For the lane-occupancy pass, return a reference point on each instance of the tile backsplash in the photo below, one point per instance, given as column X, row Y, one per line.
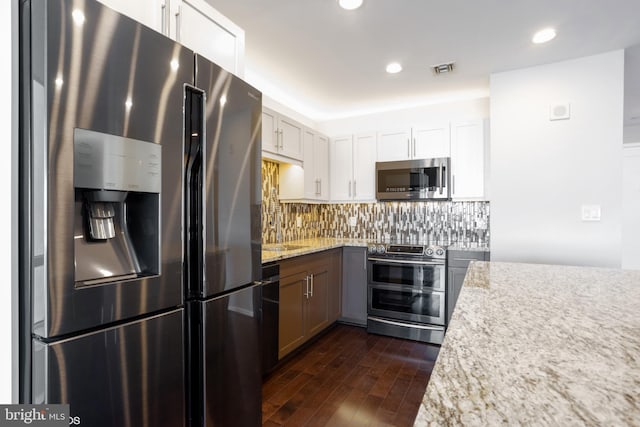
column 408, row 222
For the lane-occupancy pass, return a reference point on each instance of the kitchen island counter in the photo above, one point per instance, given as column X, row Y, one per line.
column 539, row 345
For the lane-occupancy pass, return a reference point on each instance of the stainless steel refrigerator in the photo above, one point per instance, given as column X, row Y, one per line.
column 222, row 219
column 111, row 248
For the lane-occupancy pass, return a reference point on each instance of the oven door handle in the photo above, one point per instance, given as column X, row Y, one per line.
column 402, row 261
column 411, row 325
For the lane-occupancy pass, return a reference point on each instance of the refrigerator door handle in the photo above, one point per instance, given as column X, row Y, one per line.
column 194, row 192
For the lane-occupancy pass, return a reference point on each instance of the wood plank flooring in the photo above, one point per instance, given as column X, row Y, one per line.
column 349, row 378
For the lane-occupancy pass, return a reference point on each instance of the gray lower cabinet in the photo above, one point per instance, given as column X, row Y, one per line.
column 309, row 299
column 457, row 264
column 354, row 285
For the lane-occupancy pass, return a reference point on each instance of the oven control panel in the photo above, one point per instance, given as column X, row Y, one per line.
column 376, row 249
column 398, row 250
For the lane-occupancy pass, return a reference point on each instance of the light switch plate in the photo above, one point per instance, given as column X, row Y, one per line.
column 591, row 212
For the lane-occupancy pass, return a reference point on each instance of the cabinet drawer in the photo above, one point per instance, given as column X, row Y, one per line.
column 463, row 258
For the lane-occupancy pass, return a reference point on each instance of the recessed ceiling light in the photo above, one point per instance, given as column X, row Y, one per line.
column 350, row 4
column 544, row 36
column 393, row 67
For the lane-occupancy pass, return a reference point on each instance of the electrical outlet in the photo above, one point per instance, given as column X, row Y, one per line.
column 353, row 221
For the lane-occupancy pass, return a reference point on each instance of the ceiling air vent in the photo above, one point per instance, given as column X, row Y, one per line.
column 442, row 68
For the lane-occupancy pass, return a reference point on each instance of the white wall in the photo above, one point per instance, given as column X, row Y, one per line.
column 7, row 238
column 405, row 118
column 631, row 207
column 543, row 171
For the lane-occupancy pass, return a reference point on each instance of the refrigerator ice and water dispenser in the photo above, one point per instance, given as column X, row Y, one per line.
column 117, row 184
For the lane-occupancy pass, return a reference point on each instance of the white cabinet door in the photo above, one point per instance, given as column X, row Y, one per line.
column 321, row 155
column 394, row 145
column 430, row 141
column 198, row 26
column 282, row 136
column 309, row 182
column 341, row 164
column 193, row 23
column 152, row 13
column 467, row 159
column 311, row 188
column 270, row 137
column 291, row 144
column 420, row 142
column 364, row 167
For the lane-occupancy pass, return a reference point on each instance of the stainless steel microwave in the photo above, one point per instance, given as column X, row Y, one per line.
column 424, row 179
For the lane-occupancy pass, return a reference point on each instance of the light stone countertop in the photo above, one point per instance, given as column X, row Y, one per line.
column 474, row 247
column 309, row 246
column 539, row 345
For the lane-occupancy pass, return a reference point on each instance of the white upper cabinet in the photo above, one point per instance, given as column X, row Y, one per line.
column 468, row 160
column 419, row 142
column 198, row 26
column 281, row 137
column 431, row 141
column 152, row 13
column 316, row 166
column 193, row 23
column 364, row 167
column 270, row 136
column 352, row 165
column 341, row 165
column 309, row 183
column 394, row 145
column 291, row 144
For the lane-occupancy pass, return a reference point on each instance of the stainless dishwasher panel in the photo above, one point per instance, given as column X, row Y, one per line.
column 270, row 316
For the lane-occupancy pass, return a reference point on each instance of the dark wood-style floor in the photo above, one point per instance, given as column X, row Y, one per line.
column 349, row 378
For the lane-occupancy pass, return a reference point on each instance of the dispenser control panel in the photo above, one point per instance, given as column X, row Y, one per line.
column 109, row 162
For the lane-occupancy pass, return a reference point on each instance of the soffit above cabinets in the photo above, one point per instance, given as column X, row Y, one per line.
column 328, row 63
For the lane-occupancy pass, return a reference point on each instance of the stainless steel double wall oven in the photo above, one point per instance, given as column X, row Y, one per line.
column 406, row 291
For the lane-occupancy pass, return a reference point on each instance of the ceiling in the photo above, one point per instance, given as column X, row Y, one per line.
column 327, row 63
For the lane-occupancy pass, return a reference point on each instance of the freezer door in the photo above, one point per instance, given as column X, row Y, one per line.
column 130, row 375
column 95, row 70
column 225, row 371
column 232, row 181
